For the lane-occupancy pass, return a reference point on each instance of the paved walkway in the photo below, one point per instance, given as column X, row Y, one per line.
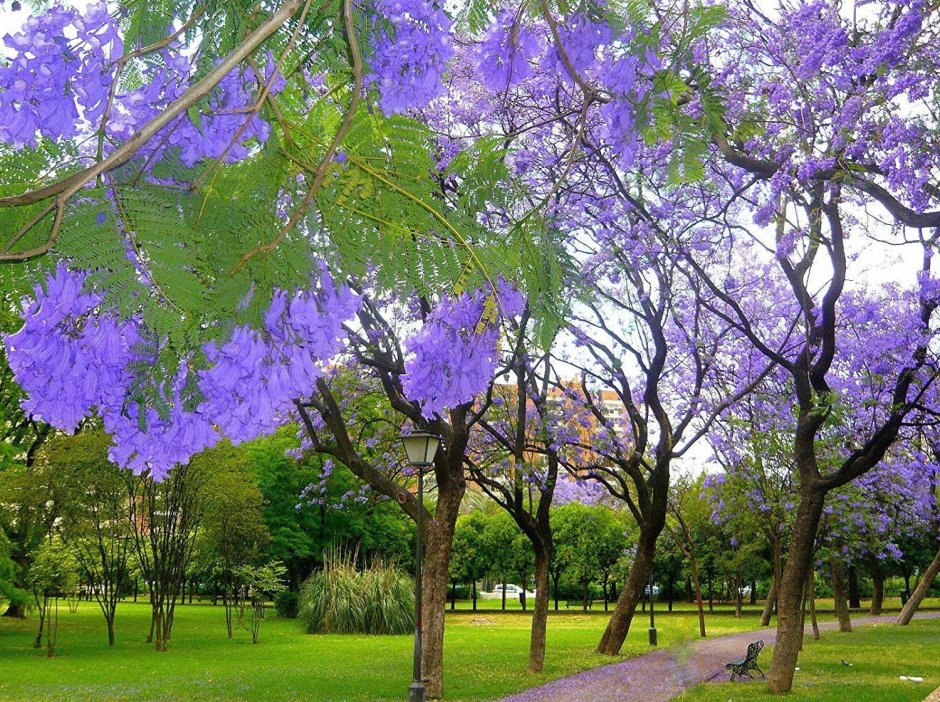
column 663, row 674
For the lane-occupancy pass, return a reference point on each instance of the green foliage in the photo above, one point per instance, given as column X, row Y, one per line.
column 54, row 570
column 299, row 537
column 287, row 604
column 342, row 599
column 8, row 576
column 470, row 557
column 233, row 532
column 590, row 542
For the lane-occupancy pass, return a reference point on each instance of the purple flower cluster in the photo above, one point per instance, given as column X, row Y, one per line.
column 157, row 441
column 582, row 40
column 58, row 87
column 66, row 358
column 72, row 357
column 52, row 81
column 505, row 56
column 412, row 48
column 256, row 375
column 454, row 355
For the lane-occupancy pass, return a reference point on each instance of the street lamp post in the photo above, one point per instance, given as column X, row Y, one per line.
column 420, row 447
column 652, row 617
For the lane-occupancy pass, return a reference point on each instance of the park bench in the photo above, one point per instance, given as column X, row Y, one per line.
column 579, row 604
column 744, row 666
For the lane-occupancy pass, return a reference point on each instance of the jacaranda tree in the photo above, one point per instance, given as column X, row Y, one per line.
column 205, row 204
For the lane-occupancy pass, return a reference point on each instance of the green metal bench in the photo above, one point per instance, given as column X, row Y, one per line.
column 744, row 666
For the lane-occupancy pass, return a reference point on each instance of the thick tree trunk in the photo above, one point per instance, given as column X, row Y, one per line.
column 737, row 594
column 17, row 611
column 920, row 592
column 877, row 586
column 540, row 613
column 790, row 591
column 619, row 625
column 839, row 595
column 439, row 538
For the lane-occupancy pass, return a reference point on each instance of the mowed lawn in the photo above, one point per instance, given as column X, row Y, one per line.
column 879, row 655
column 486, row 654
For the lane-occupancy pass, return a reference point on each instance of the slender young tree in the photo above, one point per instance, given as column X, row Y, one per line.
column 98, row 528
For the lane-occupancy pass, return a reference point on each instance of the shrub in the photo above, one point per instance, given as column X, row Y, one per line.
column 342, row 599
column 286, row 604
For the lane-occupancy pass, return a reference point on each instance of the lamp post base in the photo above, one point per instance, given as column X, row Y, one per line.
column 416, row 692
column 652, row 631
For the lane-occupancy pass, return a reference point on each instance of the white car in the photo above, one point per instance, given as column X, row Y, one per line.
column 512, row 593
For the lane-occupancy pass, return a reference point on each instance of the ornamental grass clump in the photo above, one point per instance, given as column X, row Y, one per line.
column 343, row 599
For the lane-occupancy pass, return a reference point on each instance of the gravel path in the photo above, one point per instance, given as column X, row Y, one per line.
column 663, row 674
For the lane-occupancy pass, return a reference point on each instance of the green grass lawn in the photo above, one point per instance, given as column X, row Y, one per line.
column 879, row 654
column 486, row 654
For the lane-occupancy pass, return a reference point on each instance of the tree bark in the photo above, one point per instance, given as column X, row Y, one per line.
column 16, row 611
column 790, row 591
column 920, row 592
column 803, row 606
column 855, row 598
column 439, row 537
column 877, row 585
column 811, row 579
column 619, row 625
column 697, row 585
column 839, row 595
column 540, row 612
column 769, row 604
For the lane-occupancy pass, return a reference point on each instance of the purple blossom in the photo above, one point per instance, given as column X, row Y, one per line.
column 412, row 49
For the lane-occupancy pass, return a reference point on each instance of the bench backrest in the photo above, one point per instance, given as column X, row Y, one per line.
column 754, row 649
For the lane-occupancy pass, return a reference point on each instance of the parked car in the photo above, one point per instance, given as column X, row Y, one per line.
column 512, row 592
column 745, row 591
column 646, row 591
